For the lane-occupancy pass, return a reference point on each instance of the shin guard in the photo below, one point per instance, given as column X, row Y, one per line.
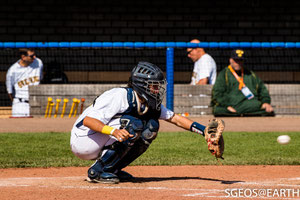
column 115, row 152
column 141, row 145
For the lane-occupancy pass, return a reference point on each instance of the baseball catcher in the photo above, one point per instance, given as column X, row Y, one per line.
column 122, row 123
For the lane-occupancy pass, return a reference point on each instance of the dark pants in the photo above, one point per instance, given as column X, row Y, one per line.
column 250, row 107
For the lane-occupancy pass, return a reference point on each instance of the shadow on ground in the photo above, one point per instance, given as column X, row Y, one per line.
column 158, row 179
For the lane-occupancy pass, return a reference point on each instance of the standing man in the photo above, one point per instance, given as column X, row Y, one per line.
column 122, row 122
column 238, row 91
column 26, row 71
column 205, row 69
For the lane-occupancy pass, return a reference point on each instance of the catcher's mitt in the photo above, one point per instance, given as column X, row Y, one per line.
column 213, row 136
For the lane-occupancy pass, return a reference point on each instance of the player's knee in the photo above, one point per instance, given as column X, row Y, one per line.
column 150, row 131
column 85, row 154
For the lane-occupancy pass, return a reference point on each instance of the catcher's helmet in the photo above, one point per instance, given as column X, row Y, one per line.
column 149, row 82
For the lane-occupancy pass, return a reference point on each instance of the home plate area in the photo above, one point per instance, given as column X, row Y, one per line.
column 156, row 182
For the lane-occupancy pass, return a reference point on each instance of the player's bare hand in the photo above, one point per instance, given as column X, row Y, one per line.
column 121, row 134
column 267, row 107
column 231, row 109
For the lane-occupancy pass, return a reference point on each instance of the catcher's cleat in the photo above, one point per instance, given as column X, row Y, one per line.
column 124, row 176
column 105, row 177
column 109, row 178
column 91, row 180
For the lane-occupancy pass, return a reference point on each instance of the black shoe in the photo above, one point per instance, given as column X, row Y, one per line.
column 124, row 176
column 105, row 177
column 109, row 178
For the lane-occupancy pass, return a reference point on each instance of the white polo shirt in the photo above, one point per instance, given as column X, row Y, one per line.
column 205, row 67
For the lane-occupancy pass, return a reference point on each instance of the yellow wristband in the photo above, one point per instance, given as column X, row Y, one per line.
column 107, row 130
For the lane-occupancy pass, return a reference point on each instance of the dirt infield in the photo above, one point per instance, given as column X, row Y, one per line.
column 155, row 182
column 249, row 124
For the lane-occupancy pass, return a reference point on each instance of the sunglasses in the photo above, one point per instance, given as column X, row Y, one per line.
column 31, row 56
column 187, row 53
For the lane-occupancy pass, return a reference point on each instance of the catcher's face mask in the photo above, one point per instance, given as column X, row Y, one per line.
column 157, row 90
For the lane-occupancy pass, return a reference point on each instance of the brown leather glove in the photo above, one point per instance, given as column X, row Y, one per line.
column 213, row 136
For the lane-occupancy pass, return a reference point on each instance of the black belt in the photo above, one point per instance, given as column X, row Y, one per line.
column 23, row 100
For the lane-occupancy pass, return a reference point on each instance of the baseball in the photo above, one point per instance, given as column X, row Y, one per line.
column 283, row 139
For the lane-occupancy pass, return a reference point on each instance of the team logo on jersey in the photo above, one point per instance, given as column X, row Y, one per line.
column 28, row 81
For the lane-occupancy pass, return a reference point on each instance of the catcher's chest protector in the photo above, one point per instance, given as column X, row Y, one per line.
column 132, row 109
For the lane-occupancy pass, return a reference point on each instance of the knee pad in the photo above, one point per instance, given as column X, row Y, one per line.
column 142, row 144
column 150, row 131
column 113, row 155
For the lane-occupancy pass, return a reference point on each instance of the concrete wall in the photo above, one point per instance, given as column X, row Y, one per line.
column 194, row 100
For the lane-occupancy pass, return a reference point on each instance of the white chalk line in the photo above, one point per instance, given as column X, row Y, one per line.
column 259, row 184
column 7, row 182
column 273, row 183
column 13, row 182
column 208, row 193
column 41, row 178
column 226, row 197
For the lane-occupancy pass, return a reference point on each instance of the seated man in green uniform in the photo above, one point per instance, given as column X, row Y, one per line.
column 239, row 92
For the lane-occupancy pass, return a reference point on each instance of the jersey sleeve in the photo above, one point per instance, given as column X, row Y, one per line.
column 109, row 104
column 41, row 66
column 9, row 81
column 165, row 113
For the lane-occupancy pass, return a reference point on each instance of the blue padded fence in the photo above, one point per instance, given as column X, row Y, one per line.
column 170, row 78
column 150, row 44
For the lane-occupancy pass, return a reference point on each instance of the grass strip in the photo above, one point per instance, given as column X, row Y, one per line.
column 18, row 150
